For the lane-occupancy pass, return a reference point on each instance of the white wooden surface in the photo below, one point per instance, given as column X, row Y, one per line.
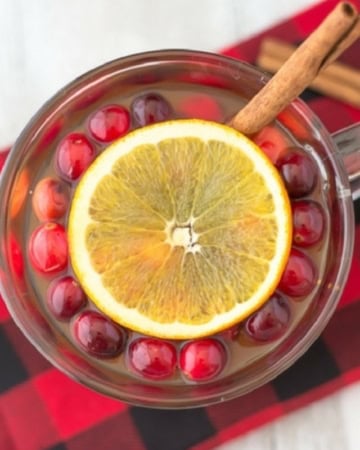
column 46, row 43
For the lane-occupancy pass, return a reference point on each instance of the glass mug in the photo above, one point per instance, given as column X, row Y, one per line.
column 179, row 76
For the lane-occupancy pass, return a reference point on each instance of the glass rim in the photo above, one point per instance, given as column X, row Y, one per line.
column 97, row 75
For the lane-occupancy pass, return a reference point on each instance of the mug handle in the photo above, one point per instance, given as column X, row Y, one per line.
column 347, row 141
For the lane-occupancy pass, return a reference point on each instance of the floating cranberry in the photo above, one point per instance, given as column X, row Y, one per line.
column 150, row 108
column 272, row 142
column 74, row 155
column 65, row 297
column 200, row 106
column 48, row 249
column 300, row 275
column 152, row 358
column 109, row 123
column 50, row 199
column 271, row 321
column 202, row 360
column 294, row 123
column 97, row 335
column 231, row 333
column 308, row 223
column 298, row 171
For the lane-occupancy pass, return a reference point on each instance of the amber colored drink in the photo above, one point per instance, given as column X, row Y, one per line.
column 113, row 358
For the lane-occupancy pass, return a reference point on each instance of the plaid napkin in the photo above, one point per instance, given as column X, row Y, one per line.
column 42, row 409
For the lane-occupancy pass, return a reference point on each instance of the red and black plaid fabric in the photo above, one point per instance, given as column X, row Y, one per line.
column 42, row 409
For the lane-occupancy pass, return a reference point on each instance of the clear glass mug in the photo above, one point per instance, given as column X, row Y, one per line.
column 135, row 74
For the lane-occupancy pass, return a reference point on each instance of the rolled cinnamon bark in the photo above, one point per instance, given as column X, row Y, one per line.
column 338, row 30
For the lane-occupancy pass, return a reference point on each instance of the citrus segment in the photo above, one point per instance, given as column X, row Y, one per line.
column 180, row 229
column 182, row 160
column 148, row 168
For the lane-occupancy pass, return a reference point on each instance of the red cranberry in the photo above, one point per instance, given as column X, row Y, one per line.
column 3, row 155
column 300, row 275
column 308, row 223
column 65, row 297
column 48, row 248
column 152, row 358
column 231, row 333
column 97, row 335
column 150, row 108
column 298, row 171
column 203, row 359
column 50, row 199
column 271, row 141
column 271, row 321
column 74, row 155
column 200, row 106
column 293, row 123
column 109, row 123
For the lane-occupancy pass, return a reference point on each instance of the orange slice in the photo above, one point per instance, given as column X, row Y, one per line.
column 180, row 229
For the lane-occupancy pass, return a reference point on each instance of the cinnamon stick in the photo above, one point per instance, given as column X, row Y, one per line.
column 338, row 30
column 336, row 80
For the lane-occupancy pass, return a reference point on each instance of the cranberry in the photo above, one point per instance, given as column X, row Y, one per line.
column 298, row 171
column 150, row 108
column 74, row 155
column 97, row 335
column 300, row 275
column 48, row 248
column 50, row 199
column 65, row 297
column 203, row 359
column 200, row 106
column 271, row 141
column 152, row 358
column 3, row 155
column 308, row 223
column 230, row 333
column 109, row 123
column 293, row 123
column 271, row 321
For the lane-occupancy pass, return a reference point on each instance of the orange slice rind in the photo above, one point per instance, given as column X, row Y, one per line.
column 180, row 229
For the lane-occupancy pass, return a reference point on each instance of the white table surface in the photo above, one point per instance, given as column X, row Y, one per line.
column 46, row 43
